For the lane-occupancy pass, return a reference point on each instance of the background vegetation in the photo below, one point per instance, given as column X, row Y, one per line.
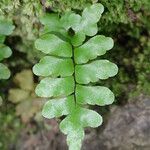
column 126, row 21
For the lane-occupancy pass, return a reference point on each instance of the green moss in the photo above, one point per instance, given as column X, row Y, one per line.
column 9, row 127
column 127, row 21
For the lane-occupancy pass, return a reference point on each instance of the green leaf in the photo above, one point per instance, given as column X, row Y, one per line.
column 58, row 107
column 92, row 72
column 94, row 95
column 74, row 123
column 96, row 46
column 5, row 52
column 70, row 19
column 51, row 22
column 91, row 29
column 2, row 38
column 75, row 138
column 53, row 25
column 90, row 17
column 69, row 70
column 49, row 87
column 85, row 28
column 50, row 19
column 4, row 72
column 79, row 118
column 77, row 39
column 51, row 44
column 53, row 66
column 6, row 27
column 93, row 13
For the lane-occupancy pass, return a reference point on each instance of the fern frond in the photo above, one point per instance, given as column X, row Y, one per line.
column 70, row 67
column 6, row 29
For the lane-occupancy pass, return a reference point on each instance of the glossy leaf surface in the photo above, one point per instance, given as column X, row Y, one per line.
column 5, row 52
column 92, row 72
column 94, row 95
column 94, row 47
column 88, row 22
column 6, row 28
column 51, row 44
column 49, row 87
column 70, row 67
column 58, row 107
column 4, row 72
column 53, row 66
column 74, row 124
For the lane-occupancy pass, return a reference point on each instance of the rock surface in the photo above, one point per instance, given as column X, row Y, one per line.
column 127, row 128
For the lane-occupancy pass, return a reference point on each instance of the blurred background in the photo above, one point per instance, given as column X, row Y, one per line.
column 126, row 123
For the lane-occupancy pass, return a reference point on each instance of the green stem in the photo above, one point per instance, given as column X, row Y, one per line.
column 74, row 75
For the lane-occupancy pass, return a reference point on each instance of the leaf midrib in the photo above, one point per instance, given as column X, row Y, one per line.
column 74, row 64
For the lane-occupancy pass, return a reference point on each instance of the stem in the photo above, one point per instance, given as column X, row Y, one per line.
column 74, row 64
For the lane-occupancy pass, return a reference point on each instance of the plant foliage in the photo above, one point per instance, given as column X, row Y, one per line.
column 6, row 28
column 71, row 68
